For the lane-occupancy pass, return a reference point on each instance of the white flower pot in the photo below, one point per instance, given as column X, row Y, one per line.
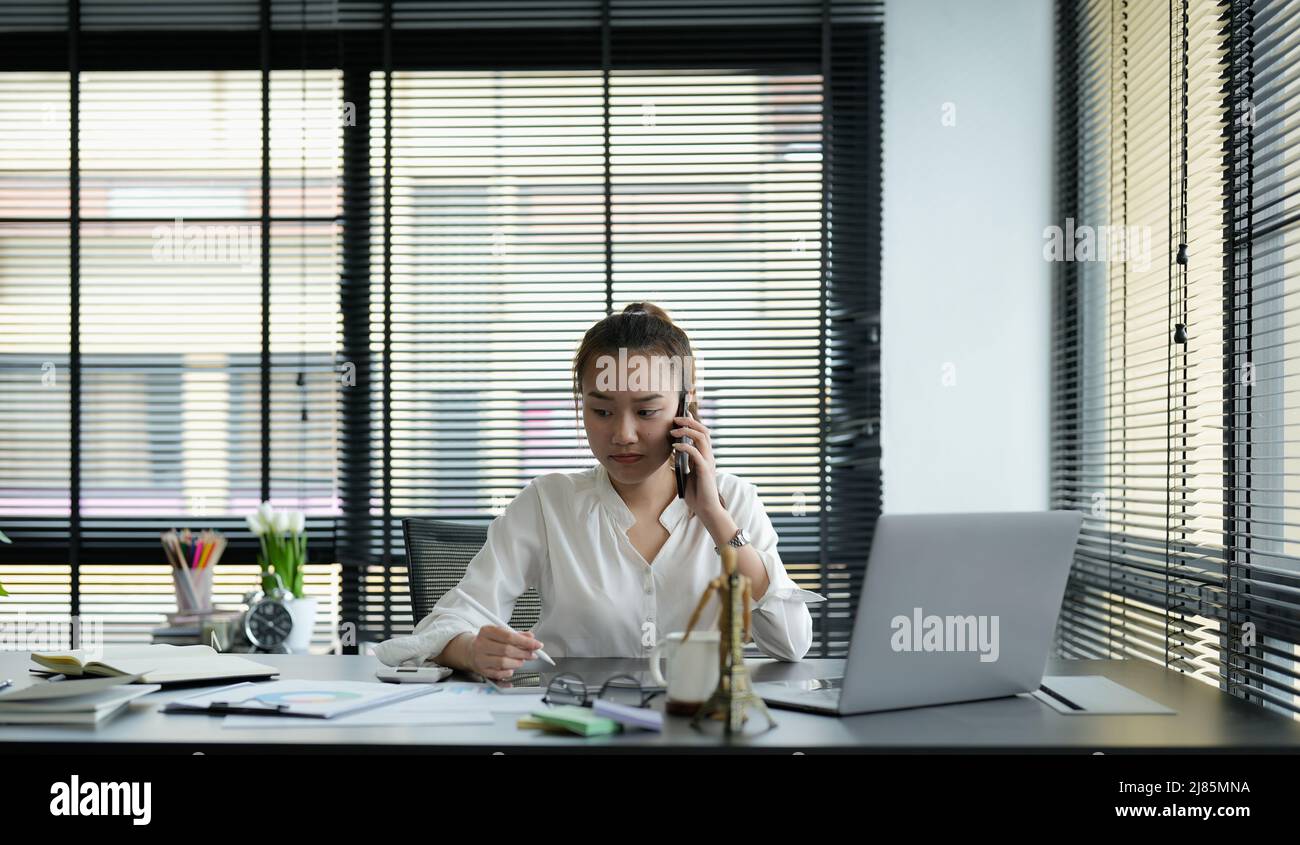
column 303, row 612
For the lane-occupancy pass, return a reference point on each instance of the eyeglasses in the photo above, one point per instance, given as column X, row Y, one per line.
column 570, row 688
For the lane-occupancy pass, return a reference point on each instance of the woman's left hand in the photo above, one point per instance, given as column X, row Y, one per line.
column 701, row 483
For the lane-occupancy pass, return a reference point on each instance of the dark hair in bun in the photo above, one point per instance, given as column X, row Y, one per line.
column 641, row 327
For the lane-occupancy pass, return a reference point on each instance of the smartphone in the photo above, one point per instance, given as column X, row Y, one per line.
column 519, row 682
column 682, row 461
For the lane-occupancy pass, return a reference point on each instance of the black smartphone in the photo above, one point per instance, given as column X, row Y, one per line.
column 518, row 683
column 682, row 461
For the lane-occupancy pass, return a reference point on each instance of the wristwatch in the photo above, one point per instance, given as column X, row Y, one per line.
column 739, row 539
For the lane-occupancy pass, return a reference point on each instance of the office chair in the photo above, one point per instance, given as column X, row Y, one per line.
column 437, row 553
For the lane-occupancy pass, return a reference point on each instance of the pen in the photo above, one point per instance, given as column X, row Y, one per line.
column 492, row 617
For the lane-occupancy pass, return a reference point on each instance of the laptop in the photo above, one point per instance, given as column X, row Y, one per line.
column 955, row 607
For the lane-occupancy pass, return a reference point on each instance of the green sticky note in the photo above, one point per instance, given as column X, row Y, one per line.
column 580, row 720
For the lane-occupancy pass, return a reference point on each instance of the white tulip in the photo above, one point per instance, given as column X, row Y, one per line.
column 282, row 522
column 299, row 523
column 255, row 524
column 266, row 513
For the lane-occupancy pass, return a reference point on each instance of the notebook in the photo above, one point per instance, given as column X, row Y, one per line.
column 624, row 714
column 578, row 720
column 157, row 664
column 90, row 708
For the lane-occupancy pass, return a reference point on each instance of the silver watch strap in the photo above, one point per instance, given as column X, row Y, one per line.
column 732, row 542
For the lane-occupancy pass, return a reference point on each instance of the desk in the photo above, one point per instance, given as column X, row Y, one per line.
column 1207, row 720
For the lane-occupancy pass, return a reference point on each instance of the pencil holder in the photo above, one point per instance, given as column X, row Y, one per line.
column 193, row 589
column 193, row 559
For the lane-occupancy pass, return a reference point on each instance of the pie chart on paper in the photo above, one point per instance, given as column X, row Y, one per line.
column 301, row 697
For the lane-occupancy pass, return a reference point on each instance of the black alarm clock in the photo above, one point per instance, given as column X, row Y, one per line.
column 267, row 623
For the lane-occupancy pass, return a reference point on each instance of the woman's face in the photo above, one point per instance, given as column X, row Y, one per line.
column 628, row 429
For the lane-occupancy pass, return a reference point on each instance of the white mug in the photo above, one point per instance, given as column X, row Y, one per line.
column 692, row 670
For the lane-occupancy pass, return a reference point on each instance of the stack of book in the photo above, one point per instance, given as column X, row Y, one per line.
column 42, row 701
column 187, row 628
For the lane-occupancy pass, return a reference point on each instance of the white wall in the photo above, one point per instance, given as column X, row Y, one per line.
column 964, row 280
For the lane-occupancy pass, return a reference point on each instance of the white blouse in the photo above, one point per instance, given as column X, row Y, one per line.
column 566, row 535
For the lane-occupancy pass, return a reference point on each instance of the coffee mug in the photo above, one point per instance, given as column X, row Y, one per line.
column 692, row 670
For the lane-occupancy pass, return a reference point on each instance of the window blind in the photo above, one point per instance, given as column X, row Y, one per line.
column 168, row 309
column 510, row 210
column 1262, row 525
column 1157, row 425
column 35, row 342
column 414, row 210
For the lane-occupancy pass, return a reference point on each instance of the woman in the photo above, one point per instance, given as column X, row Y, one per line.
column 618, row 559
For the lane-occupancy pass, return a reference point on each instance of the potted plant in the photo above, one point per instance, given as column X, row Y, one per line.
column 283, row 539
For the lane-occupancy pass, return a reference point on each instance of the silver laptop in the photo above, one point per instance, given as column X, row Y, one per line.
column 955, row 607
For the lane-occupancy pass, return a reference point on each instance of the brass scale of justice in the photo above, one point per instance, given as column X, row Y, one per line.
column 734, row 694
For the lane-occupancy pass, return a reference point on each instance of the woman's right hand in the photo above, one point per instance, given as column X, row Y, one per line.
column 496, row 652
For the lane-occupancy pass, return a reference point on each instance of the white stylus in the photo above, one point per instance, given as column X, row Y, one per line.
column 492, row 617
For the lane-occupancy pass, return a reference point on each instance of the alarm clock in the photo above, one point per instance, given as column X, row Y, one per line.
column 267, row 623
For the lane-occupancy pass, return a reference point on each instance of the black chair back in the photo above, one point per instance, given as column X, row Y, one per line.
column 437, row 554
